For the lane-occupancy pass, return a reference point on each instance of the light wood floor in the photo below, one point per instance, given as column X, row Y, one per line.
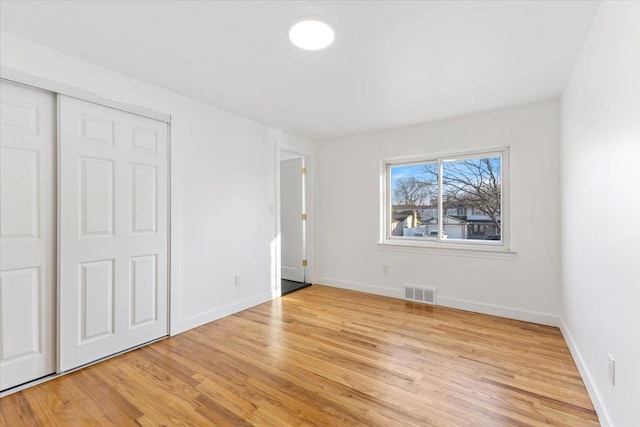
column 326, row 357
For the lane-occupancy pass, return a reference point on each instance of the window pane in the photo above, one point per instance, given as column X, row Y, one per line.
column 414, row 200
column 471, row 198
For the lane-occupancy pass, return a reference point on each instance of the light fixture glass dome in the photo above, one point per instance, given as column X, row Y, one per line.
column 311, row 35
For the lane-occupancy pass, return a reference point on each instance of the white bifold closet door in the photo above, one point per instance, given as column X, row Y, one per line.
column 113, row 231
column 27, row 234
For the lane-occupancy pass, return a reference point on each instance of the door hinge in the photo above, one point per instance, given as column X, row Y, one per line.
column 304, row 171
column 304, row 262
column 304, row 217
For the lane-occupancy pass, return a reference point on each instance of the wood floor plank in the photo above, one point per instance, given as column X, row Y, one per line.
column 17, row 412
column 326, row 357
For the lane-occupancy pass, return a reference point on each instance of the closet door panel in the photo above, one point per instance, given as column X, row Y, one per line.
column 113, row 210
column 20, row 211
column 27, row 245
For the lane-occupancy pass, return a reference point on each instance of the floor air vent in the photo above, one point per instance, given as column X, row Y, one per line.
column 414, row 293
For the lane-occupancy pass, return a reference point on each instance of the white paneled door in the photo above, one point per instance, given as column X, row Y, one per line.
column 291, row 222
column 113, row 225
column 27, row 237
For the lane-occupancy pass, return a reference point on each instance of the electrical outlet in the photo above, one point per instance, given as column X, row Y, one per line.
column 612, row 370
column 237, row 282
column 385, row 269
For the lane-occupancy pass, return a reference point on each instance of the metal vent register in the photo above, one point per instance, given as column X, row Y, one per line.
column 420, row 294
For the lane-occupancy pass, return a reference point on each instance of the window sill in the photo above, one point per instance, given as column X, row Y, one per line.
column 448, row 249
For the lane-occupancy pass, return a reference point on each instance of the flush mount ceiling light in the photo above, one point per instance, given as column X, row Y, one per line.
column 311, row 35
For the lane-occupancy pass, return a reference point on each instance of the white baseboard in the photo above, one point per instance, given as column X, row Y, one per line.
column 500, row 311
column 587, row 379
column 360, row 287
column 476, row 307
column 218, row 313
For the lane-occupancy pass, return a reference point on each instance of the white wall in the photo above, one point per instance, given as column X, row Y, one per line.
column 526, row 287
column 600, row 202
column 223, row 168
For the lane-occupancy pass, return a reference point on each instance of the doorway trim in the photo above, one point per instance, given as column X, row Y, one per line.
column 18, row 76
column 308, row 197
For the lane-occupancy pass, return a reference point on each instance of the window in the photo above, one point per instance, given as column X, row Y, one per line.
column 457, row 199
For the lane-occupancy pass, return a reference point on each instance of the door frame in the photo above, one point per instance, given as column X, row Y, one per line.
column 286, row 156
column 18, row 76
column 308, row 204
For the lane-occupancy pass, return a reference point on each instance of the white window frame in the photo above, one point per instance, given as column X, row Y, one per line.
column 438, row 243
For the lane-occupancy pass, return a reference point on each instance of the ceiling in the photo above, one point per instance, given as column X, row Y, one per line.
column 392, row 63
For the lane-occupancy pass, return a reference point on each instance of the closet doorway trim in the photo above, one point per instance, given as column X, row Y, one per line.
column 64, row 89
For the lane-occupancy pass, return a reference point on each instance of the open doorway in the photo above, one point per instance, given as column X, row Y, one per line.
column 292, row 223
